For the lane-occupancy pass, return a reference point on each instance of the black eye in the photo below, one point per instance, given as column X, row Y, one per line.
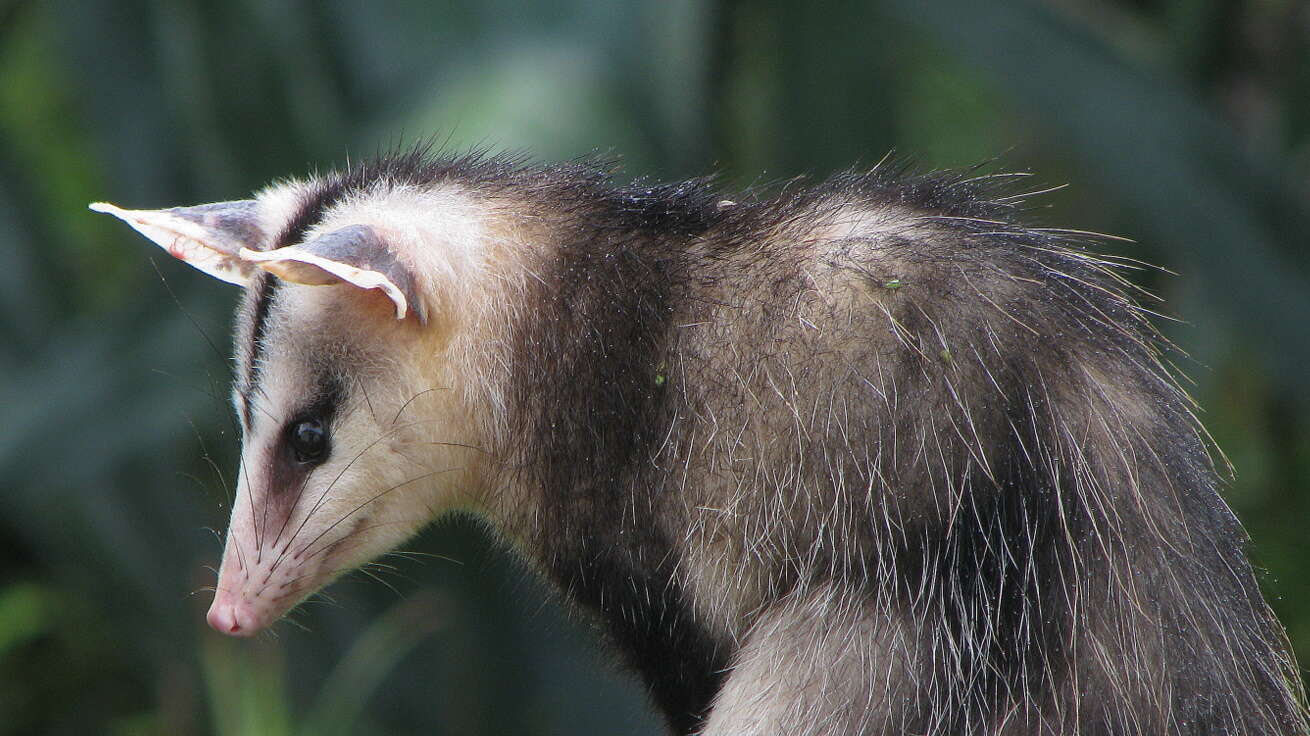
column 308, row 440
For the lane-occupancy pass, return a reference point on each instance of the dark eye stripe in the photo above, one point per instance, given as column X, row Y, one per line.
column 329, row 397
column 296, row 453
column 309, row 434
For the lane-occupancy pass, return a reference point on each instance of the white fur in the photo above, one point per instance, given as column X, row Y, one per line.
column 407, row 426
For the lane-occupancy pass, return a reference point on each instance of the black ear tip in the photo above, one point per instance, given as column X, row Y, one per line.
column 419, row 308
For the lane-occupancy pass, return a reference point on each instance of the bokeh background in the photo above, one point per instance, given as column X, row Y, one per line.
column 1181, row 124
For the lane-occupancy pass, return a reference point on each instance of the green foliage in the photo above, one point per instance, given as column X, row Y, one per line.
column 1183, row 124
column 247, row 691
column 25, row 613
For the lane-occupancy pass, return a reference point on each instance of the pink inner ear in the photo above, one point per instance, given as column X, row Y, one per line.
column 299, row 272
column 298, row 265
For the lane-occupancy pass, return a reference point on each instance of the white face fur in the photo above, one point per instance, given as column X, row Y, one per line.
column 353, row 436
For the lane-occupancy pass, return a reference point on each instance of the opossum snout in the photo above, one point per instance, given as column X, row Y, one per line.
column 271, row 563
column 250, row 598
column 231, row 616
column 260, row 584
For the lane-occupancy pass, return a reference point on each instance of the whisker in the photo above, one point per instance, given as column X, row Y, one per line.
column 341, row 543
column 300, row 492
column 405, row 405
column 367, row 402
column 192, row 477
column 416, row 556
column 366, row 503
column 236, row 545
column 258, row 404
column 242, row 467
column 460, row 444
column 323, row 495
column 292, row 621
column 204, row 455
column 312, row 601
column 190, row 318
column 228, row 493
column 301, row 591
column 390, row 587
column 384, row 435
column 319, row 597
column 209, row 392
column 389, row 570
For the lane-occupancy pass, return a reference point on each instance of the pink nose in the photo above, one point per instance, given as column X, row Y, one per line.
column 228, row 617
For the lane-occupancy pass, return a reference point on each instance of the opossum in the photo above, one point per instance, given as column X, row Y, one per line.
column 871, row 456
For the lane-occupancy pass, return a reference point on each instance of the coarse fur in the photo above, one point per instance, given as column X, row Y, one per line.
column 867, row 457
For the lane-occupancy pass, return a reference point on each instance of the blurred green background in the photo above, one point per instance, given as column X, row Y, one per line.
column 1182, row 124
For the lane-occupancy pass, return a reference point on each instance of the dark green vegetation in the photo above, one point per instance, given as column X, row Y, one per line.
column 1183, row 124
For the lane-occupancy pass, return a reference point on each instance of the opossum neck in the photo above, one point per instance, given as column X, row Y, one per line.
column 592, row 405
column 627, row 577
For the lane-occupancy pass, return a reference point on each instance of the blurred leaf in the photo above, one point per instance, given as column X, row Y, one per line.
column 1180, row 169
column 24, row 614
column 245, row 684
column 340, row 704
column 544, row 97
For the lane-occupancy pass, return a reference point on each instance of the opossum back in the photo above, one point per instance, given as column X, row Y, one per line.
column 945, row 413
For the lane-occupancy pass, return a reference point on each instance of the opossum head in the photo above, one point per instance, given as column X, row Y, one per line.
column 352, row 436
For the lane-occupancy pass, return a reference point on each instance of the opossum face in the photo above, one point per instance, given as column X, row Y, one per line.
column 340, row 457
column 352, row 438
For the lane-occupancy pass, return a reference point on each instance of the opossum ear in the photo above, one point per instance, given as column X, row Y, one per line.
column 355, row 255
column 208, row 236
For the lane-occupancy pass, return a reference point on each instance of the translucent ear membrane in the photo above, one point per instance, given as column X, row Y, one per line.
column 208, row 236
column 355, row 255
column 223, row 240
